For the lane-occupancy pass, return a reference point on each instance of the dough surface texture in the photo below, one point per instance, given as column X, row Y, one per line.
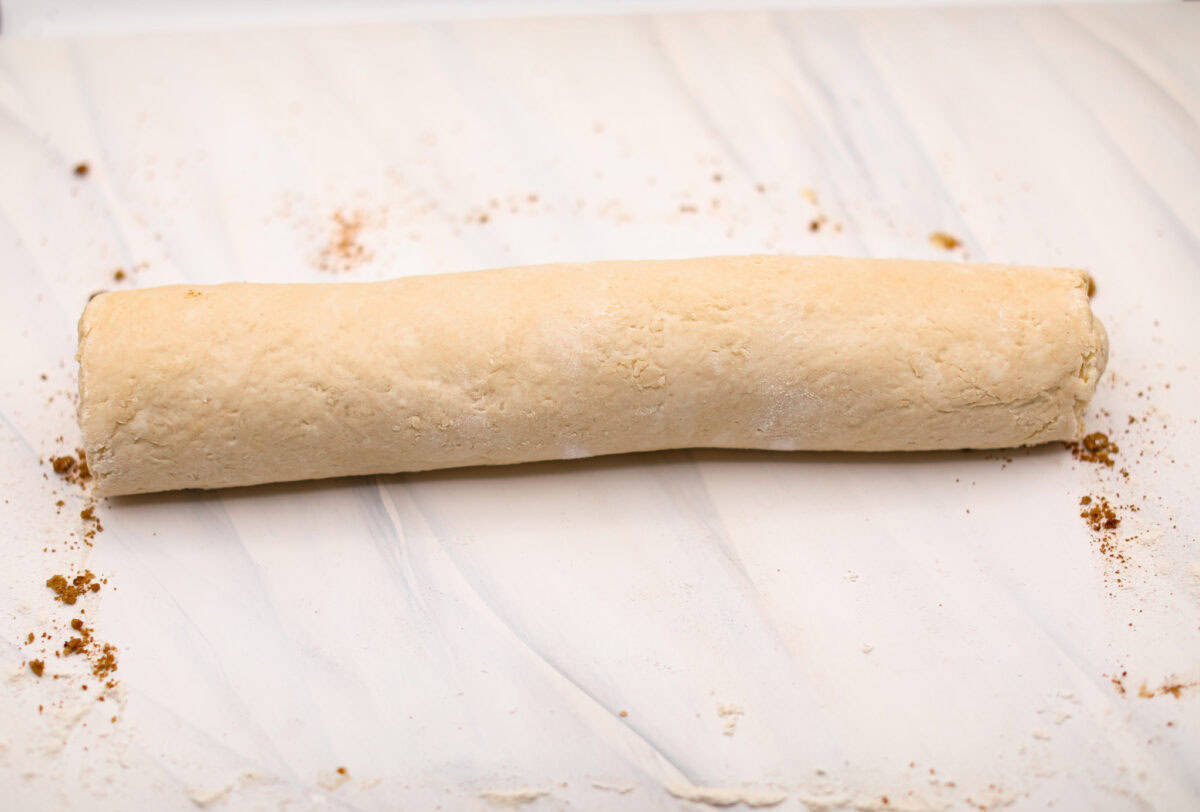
column 237, row 384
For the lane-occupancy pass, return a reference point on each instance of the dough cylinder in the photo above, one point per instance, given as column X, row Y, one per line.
column 236, row 384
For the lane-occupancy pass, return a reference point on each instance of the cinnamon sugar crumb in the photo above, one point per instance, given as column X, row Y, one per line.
column 70, row 591
column 1099, row 516
column 73, row 469
column 1095, row 447
column 105, row 663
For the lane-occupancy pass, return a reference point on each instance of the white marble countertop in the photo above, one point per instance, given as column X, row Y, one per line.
column 914, row 632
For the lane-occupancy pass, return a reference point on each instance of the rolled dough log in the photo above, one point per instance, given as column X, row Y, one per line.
column 213, row 386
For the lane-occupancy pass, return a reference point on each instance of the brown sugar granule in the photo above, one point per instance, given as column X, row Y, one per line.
column 29, row 639
column 75, row 645
column 119, row 274
column 76, row 624
column 63, row 465
column 1096, row 448
column 946, row 241
column 81, row 169
column 341, row 770
column 37, row 667
column 814, row 225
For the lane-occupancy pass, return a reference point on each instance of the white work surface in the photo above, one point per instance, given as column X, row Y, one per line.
column 919, row 631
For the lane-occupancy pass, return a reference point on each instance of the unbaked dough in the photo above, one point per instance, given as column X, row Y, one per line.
column 214, row 386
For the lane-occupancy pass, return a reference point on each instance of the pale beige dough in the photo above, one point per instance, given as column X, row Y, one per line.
column 213, row 386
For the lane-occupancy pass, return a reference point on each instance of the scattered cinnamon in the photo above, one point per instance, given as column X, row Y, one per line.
column 344, row 252
column 119, row 274
column 37, row 667
column 81, row 169
column 70, row 591
column 341, row 770
column 1173, row 687
column 1096, row 448
column 88, row 514
column 106, row 663
column 1100, row 515
column 72, row 469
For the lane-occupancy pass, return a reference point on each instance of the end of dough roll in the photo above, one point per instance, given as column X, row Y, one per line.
column 239, row 384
